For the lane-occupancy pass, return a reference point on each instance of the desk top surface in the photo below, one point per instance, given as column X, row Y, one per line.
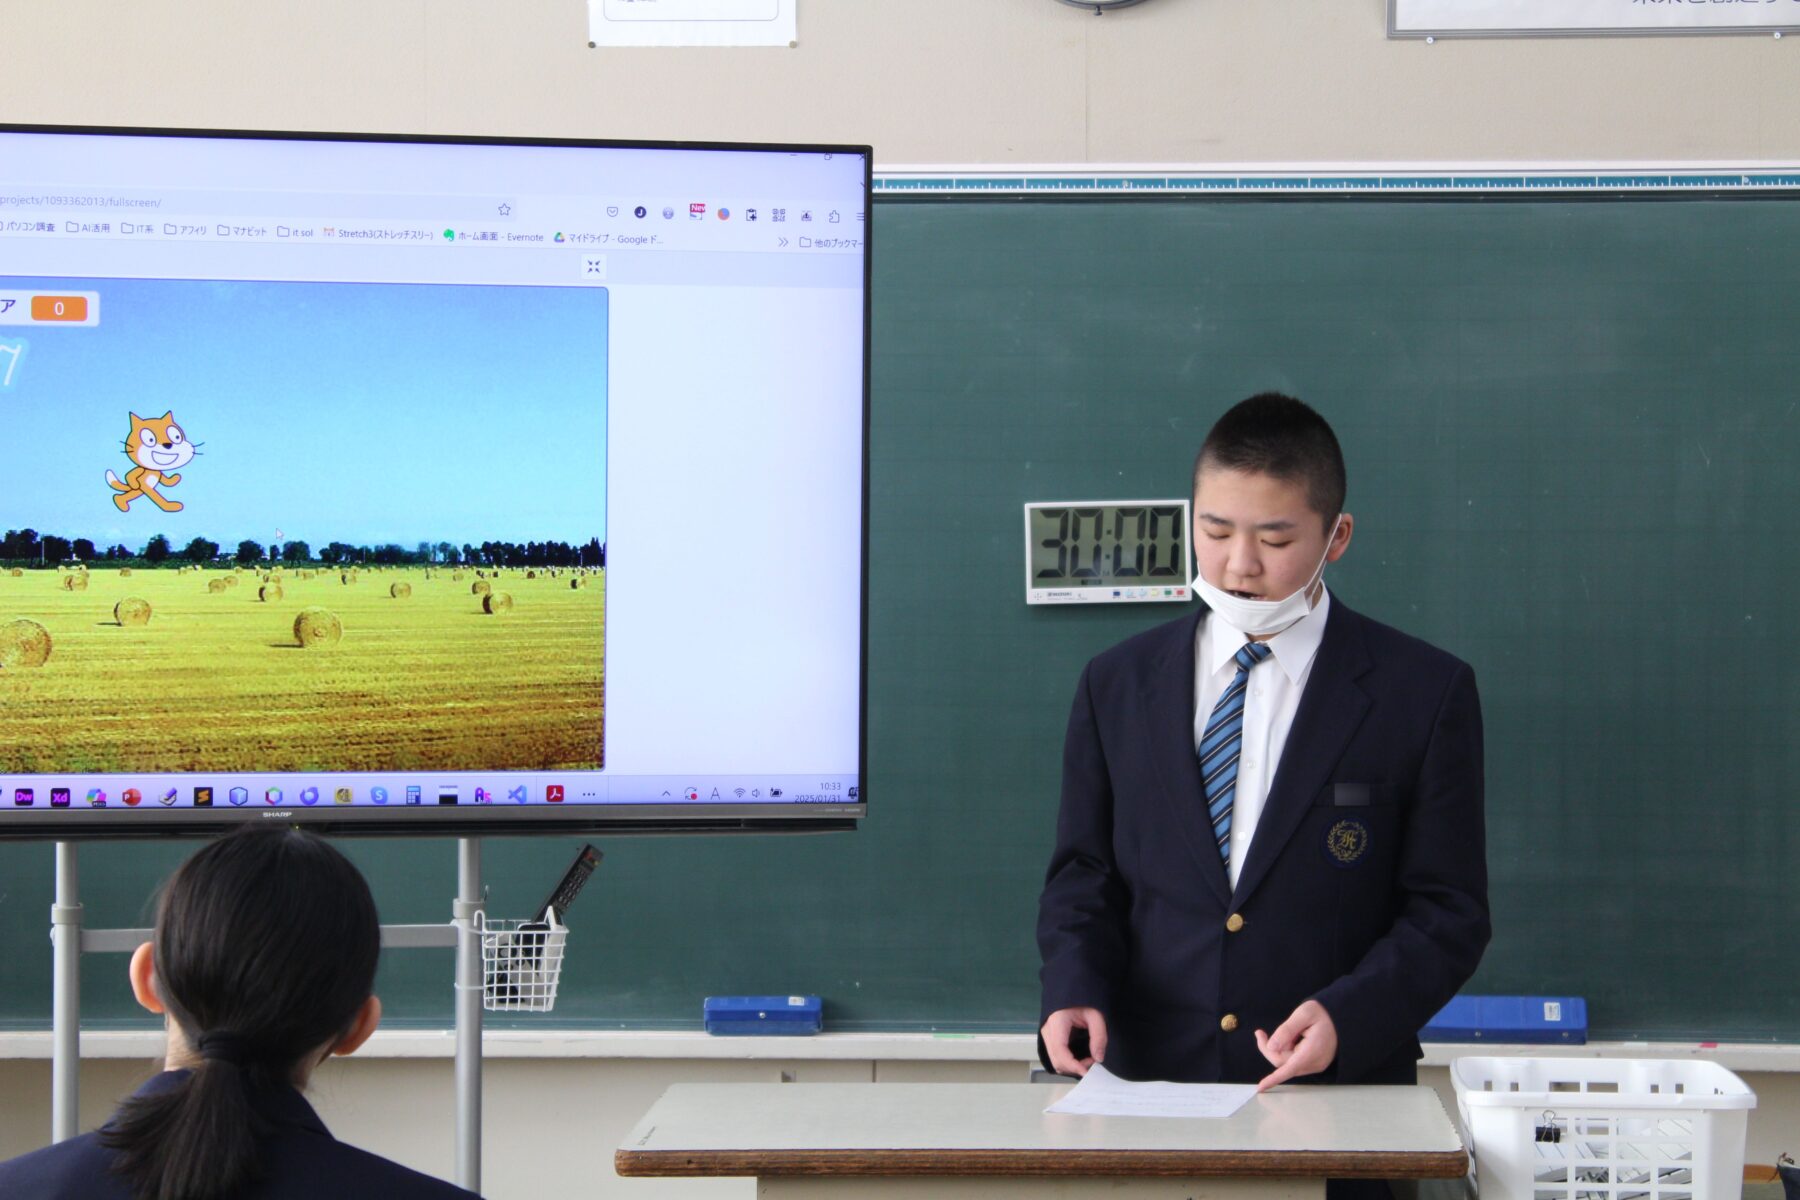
column 1002, row 1129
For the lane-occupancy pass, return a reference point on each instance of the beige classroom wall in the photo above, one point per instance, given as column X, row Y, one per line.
column 552, row 1124
column 923, row 81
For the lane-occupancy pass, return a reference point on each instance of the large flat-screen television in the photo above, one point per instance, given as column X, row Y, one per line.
column 430, row 485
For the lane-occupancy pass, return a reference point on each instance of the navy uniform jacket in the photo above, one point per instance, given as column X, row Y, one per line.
column 1364, row 888
column 303, row 1160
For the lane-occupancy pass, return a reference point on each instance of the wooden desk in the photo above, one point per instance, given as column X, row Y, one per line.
column 895, row 1140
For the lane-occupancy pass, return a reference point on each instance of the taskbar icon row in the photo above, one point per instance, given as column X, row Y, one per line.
column 307, row 795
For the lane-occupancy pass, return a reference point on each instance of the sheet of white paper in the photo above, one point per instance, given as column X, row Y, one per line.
column 691, row 22
column 1103, row 1094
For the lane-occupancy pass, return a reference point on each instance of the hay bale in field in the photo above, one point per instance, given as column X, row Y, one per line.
column 578, row 582
column 124, row 572
column 74, row 583
column 317, row 627
column 497, row 602
column 24, row 644
column 456, row 577
column 17, row 571
column 132, row 610
column 231, row 581
column 215, row 586
column 400, row 591
column 480, row 587
column 347, row 577
column 270, row 591
column 531, row 574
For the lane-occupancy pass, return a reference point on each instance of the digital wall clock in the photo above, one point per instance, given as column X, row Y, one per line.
column 1106, row 552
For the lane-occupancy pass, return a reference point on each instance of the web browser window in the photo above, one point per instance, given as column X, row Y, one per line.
column 359, row 476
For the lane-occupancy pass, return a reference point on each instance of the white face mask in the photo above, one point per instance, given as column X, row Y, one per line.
column 1259, row 618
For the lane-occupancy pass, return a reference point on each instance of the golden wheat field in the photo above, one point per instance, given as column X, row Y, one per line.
column 216, row 681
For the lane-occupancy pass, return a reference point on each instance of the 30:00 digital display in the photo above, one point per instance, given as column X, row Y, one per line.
column 1106, row 544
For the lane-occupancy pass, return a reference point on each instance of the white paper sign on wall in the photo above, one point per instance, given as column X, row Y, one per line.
column 691, row 22
column 1450, row 18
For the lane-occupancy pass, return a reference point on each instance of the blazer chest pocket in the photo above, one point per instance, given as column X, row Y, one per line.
column 1351, row 796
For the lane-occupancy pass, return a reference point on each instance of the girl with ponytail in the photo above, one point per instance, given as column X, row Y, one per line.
column 263, row 966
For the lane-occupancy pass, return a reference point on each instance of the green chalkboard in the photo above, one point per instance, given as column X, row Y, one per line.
column 1574, row 453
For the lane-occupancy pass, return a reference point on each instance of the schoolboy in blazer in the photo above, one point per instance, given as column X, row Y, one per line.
column 1355, row 903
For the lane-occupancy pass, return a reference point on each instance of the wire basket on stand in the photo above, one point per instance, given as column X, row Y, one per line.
column 521, row 963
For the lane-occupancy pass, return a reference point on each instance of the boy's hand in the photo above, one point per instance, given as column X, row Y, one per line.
column 1056, row 1032
column 1304, row 1045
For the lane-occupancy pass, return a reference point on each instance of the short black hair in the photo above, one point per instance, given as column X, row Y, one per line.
column 1273, row 434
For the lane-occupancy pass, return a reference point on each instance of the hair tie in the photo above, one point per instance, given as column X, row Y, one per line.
column 224, row 1047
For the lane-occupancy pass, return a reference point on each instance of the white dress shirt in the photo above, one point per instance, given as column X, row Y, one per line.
column 1273, row 697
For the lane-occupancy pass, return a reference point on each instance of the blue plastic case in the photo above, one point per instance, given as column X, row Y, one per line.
column 763, row 1016
column 1560, row 1020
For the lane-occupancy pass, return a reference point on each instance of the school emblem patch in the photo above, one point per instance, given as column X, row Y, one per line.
column 1347, row 842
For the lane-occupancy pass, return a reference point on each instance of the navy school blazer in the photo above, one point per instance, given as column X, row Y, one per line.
column 302, row 1159
column 1364, row 888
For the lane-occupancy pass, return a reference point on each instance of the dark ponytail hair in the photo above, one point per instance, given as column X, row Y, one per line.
column 265, row 950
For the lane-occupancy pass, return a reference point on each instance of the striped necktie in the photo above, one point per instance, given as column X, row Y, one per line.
column 1221, row 744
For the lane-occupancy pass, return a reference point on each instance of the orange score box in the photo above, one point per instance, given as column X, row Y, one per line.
column 59, row 308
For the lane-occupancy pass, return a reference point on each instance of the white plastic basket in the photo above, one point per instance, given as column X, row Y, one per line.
column 521, row 963
column 1603, row 1129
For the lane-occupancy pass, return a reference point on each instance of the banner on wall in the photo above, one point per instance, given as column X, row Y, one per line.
column 1552, row 18
column 691, row 22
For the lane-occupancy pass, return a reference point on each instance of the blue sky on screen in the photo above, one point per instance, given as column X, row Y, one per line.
column 361, row 413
